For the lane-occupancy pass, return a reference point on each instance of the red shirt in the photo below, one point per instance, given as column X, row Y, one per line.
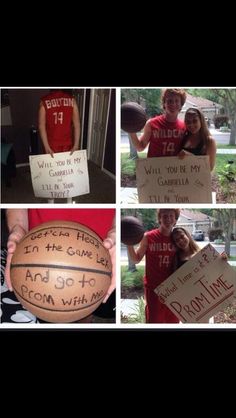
column 99, row 220
column 159, row 265
column 159, row 258
column 166, row 137
column 59, row 111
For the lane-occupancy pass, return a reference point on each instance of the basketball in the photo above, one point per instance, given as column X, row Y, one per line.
column 133, row 117
column 132, row 230
column 61, row 271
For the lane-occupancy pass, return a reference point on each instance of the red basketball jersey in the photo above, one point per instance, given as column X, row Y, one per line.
column 59, row 111
column 166, row 137
column 99, row 220
column 159, row 265
column 159, row 258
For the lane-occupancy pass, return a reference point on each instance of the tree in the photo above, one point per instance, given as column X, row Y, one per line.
column 208, row 212
column 133, row 155
column 147, row 216
column 205, row 93
column 148, row 98
column 130, row 212
column 227, row 97
column 131, row 264
column 226, row 218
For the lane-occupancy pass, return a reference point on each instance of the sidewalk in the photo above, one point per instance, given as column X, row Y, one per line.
column 226, row 151
column 127, row 306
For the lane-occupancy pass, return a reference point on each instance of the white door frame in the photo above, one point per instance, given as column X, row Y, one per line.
column 91, row 111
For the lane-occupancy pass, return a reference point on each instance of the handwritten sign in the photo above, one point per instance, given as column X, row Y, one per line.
column 62, row 176
column 200, row 288
column 171, row 180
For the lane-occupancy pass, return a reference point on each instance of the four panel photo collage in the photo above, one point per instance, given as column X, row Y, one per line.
column 118, row 208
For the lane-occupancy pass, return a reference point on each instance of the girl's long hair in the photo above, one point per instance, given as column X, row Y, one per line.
column 204, row 132
column 194, row 248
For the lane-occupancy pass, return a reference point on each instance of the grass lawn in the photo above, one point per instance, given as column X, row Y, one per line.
column 222, row 160
column 127, row 165
column 132, row 279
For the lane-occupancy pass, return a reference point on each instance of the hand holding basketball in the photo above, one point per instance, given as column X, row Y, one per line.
column 133, row 117
column 132, row 230
column 16, row 234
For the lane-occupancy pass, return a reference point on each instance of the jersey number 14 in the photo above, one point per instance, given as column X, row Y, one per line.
column 58, row 118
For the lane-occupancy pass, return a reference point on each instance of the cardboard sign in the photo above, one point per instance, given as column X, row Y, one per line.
column 171, row 180
column 62, row 176
column 200, row 288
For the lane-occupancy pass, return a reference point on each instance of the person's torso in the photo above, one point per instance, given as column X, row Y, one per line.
column 99, row 220
column 166, row 137
column 180, row 262
column 159, row 258
column 198, row 150
column 59, row 111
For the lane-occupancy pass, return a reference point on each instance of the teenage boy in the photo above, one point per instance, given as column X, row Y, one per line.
column 164, row 133
column 159, row 250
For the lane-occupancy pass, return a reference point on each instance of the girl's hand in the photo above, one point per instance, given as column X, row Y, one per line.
column 182, row 154
column 224, row 256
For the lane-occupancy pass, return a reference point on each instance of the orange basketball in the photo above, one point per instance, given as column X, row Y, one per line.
column 61, row 271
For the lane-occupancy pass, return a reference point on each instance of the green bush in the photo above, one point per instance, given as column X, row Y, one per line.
column 222, row 160
column 227, row 177
column 138, row 316
column 127, row 165
column 221, row 120
column 132, row 279
column 215, row 233
column 218, row 241
column 228, row 173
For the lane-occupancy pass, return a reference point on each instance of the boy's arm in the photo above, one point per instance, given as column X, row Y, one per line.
column 42, row 129
column 76, row 127
column 141, row 143
column 137, row 255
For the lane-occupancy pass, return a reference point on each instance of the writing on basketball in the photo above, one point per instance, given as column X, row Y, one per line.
column 61, row 271
column 29, row 249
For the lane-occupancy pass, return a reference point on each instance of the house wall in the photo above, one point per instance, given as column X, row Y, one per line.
column 192, row 225
column 208, row 112
column 24, row 104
